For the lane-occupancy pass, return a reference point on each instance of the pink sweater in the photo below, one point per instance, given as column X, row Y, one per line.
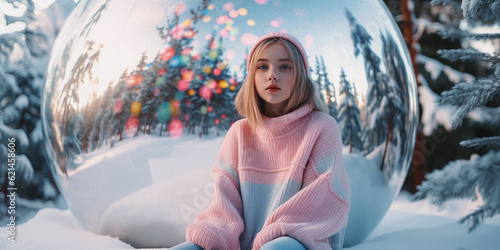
column 284, row 179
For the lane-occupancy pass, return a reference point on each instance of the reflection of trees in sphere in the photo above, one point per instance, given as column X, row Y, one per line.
column 127, row 103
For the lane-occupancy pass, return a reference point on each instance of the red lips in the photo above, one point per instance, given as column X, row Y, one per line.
column 273, row 87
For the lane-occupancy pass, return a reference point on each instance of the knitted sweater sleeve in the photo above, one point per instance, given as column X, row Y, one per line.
column 221, row 223
column 320, row 208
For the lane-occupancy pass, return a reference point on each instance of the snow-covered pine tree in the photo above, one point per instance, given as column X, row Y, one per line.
column 120, row 107
column 326, row 88
column 143, row 92
column 198, row 102
column 374, row 132
column 385, row 111
column 478, row 176
column 73, row 129
column 24, row 54
column 105, row 115
column 14, row 98
column 394, row 103
column 319, row 86
column 176, row 63
column 212, row 76
column 147, row 95
column 349, row 116
column 222, row 100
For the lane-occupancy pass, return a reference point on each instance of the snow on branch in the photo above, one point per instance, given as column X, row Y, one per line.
column 469, row 95
column 467, row 54
column 477, row 177
column 436, row 2
column 14, row 19
column 435, row 68
column 492, row 143
column 481, row 12
column 8, row 40
column 454, row 34
column 28, row 15
column 477, row 217
column 427, row 26
column 455, row 3
column 432, row 116
column 441, row 185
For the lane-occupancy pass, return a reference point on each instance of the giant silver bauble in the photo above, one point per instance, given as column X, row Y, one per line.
column 138, row 97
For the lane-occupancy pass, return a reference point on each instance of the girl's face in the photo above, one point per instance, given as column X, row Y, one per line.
column 274, row 79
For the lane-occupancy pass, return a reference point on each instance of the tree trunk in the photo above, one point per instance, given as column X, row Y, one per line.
column 388, row 139
column 419, row 167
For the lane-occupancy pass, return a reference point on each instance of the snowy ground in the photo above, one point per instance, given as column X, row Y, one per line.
column 407, row 225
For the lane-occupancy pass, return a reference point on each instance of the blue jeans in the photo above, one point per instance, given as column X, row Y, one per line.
column 284, row 242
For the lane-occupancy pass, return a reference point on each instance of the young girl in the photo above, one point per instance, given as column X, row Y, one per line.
column 279, row 178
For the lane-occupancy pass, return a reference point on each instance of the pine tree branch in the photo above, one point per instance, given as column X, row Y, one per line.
column 443, row 185
column 465, row 55
column 481, row 12
column 470, row 95
column 492, row 143
column 14, row 19
column 456, row 34
column 443, row 2
column 474, row 219
column 462, row 179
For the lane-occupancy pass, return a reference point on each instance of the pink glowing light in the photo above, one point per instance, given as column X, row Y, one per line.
column 249, row 39
column 175, row 128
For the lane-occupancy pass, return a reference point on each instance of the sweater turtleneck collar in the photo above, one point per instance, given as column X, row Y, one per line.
column 282, row 125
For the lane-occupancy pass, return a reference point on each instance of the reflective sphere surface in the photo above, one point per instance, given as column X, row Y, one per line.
column 139, row 95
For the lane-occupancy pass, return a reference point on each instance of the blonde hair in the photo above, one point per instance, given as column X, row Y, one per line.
column 249, row 104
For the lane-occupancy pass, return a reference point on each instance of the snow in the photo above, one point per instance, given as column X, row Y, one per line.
column 36, row 135
column 147, row 173
column 21, row 102
column 19, row 135
column 435, row 68
column 432, row 115
column 154, row 208
column 372, row 190
column 407, row 225
column 419, row 225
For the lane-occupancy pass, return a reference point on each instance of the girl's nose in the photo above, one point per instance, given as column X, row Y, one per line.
column 272, row 76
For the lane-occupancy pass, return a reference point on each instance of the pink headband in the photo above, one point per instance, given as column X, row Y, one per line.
column 285, row 36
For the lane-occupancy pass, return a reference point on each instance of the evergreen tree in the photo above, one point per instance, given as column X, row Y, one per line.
column 479, row 175
column 326, row 88
column 120, row 108
column 24, row 54
column 349, row 116
column 374, row 133
column 73, row 128
column 200, row 90
column 393, row 62
column 146, row 95
column 394, row 103
column 174, row 71
column 104, row 117
column 223, row 99
column 215, row 96
column 319, row 86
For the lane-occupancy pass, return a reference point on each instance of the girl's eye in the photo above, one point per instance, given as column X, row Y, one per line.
column 285, row 66
column 262, row 67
